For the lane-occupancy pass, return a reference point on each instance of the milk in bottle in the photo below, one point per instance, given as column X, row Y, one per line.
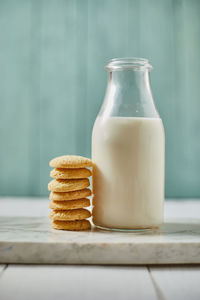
column 128, row 149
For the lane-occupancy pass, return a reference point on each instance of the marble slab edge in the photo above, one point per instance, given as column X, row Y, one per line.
column 102, row 253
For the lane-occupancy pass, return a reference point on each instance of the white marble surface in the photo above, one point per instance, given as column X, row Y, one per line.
column 31, row 240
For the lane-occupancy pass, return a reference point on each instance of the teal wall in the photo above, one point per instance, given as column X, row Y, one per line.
column 52, row 82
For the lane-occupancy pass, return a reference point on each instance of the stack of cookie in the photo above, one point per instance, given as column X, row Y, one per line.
column 69, row 190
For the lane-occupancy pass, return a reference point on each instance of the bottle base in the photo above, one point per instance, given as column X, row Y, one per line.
column 135, row 230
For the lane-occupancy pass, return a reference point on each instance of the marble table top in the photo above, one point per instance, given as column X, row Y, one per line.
column 31, row 240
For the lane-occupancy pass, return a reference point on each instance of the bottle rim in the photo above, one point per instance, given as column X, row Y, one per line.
column 130, row 63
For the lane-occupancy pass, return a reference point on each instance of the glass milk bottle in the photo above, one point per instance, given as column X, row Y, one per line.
column 128, row 151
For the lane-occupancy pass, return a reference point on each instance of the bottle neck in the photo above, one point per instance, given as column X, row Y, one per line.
column 129, row 94
column 130, row 81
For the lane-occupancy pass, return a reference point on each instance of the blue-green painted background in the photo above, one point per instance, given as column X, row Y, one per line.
column 52, row 82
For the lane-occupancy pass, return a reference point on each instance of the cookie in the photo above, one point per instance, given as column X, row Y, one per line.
column 70, row 161
column 71, row 225
column 70, row 215
column 55, row 196
column 66, row 185
column 73, row 204
column 61, row 173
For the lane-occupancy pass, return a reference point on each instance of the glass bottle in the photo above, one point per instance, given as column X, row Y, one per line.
column 128, row 151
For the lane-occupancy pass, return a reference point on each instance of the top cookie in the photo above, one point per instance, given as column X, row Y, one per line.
column 70, row 161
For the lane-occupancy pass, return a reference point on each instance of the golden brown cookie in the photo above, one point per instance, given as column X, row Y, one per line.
column 66, row 185
column 70, row 215
column 71, row 225
column 73, row 204
column 61, row 173
column 70, row 161
column 55, row 196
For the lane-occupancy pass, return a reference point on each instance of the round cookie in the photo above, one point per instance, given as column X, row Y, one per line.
column 70, row 215
column 73, row 204
column 70, row 161
column 71, row 225
column 55, row 196
column 61, row 173
column 66, row 185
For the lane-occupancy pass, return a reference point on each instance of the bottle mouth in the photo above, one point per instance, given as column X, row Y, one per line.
column 130, row 63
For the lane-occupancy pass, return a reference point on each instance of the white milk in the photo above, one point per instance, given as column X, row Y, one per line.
column 128, row 176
